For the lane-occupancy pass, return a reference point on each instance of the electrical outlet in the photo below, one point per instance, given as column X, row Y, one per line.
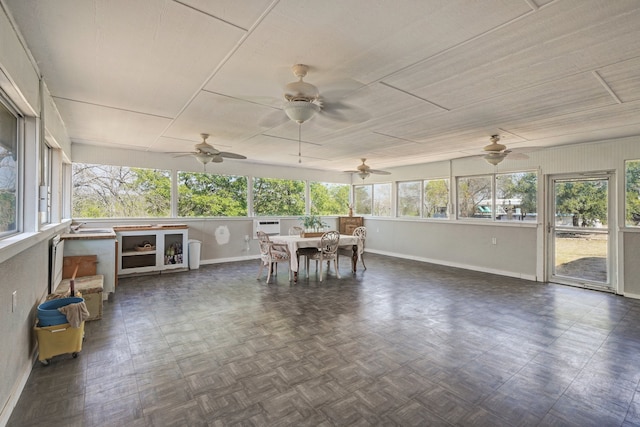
column 14, row 301
column 494, row 241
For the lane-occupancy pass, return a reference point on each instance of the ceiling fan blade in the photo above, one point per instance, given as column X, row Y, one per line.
column 231, row 155
column 518, row 156
column 378, row 172
column 342, row 112
column 273, row 119
column 352, row 171
column 183, row 154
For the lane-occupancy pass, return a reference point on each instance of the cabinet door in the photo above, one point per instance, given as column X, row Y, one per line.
column 174, row 254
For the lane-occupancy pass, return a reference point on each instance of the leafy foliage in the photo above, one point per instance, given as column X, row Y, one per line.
column 409, row 196
column 471, row 192
column 522, row 186
column 103, row 191
column 203, row 194
column 273, row 197
column 632, row 177
column 329, row 199
column 586, row 200
column 436, row 198
column 363, row 199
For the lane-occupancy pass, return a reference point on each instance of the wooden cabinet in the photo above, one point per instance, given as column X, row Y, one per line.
column 151, row 250
column 346, row 224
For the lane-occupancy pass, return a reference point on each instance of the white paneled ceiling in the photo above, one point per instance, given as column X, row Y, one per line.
column 416, row 80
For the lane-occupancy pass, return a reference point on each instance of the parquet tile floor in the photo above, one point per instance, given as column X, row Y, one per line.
column 403, row 343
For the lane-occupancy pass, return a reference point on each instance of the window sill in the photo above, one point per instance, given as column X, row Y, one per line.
column 13, row 245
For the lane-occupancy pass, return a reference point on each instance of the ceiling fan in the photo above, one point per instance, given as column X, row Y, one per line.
column 365, row 170
column 496, row 152
column 303, row 101
column 205, row 152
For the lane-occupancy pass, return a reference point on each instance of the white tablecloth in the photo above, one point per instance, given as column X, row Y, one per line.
column 295, row 242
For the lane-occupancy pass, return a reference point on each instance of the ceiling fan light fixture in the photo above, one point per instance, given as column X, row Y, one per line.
column 495, row 158
column 202, row 158
column 300, row 111
column 363, row 175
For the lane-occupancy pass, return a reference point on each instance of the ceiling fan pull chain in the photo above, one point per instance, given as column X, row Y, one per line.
column 299, row 142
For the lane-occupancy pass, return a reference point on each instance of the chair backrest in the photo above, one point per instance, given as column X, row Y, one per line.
column 264, row 242
column 329, row 242
column 361, row 232
column 296, row 231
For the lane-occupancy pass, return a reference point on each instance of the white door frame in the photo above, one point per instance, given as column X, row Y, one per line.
column 612, row 219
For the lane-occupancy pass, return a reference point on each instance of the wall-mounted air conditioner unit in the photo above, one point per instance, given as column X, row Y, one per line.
column 269, row 226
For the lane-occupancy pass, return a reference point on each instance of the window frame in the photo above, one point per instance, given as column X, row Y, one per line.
column 492, row 213
column 628, row 216
column 18, row 214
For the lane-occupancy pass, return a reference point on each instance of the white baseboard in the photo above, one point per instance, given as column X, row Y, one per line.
column 630, row 295
column 458, row 265
column 8, row 408
column 229, row 259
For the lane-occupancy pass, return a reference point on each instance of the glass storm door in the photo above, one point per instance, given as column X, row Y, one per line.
column 579, row 232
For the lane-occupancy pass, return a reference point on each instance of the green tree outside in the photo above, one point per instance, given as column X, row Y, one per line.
column 632, row 177
column 103, row 191
column 436, row 198
column 278, row 197
column 203, row 195
column 585, row 200
column 522, row 186
column 329, row 199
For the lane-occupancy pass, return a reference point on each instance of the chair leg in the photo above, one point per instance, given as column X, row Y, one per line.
column 362, row 259
column 260, row 271
column 269, row 272
column 335, row 262
column 321, row 269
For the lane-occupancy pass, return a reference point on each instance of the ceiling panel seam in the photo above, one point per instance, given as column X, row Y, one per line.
column 219, row 66
column 606, row 86
column 415, row 96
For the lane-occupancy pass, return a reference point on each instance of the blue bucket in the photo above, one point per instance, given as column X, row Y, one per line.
column 48, row 314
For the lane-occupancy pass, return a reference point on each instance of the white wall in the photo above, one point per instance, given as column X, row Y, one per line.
column 24, row 259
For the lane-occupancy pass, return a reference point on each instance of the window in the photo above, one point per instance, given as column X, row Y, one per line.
column 205, row 194
column 102, row 191
column 516, row 196
column 436, row 198
column 632, row 198
column 329, row 199
column 8, row 171
column 382, row 199
column 276, row 197
column 363, row 199
column 45, row 186
column 373, row 199
column 409, row 198
column 474, row 197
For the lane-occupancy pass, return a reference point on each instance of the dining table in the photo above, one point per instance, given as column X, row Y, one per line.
column 296, row 242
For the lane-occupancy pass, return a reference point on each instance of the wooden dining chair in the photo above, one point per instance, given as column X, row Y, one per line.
column 271, row 254
column 327, row 251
